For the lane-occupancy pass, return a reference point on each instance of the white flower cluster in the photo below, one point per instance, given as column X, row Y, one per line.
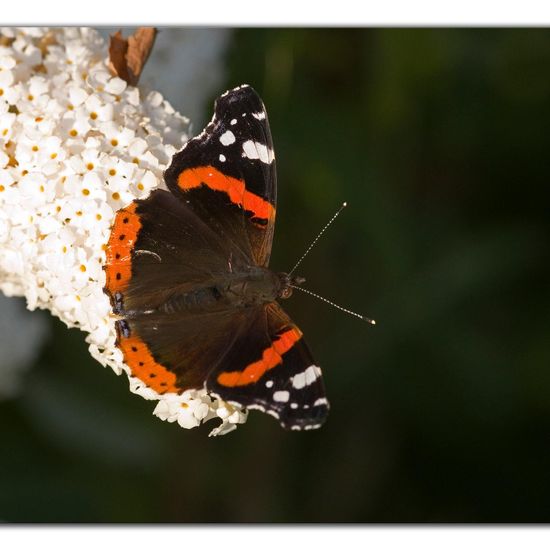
column 76, row 145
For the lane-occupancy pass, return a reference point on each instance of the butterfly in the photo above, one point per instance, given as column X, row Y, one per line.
column 188, row 276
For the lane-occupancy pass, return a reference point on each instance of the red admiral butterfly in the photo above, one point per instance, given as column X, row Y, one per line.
column 187, row 274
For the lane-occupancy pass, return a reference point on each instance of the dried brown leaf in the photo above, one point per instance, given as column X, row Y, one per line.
column 140, row 45
column 127, row 56
column 118, row 46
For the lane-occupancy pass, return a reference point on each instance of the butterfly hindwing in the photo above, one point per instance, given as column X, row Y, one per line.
column 270, row 368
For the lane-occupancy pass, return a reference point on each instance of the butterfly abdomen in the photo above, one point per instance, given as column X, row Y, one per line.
column 253, row 287
column 202, row 299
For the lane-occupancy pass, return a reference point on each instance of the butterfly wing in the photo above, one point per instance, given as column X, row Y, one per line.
column 160, row 249
column 233, row 158
column 270, row 368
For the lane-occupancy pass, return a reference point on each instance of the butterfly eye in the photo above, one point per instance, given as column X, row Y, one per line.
column 286, row 293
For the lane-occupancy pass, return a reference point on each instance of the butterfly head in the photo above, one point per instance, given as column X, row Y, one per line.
column 288, row 282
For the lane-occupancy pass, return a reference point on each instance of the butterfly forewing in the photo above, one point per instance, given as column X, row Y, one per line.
column 233, row 155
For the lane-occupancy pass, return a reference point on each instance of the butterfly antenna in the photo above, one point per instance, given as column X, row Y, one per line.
column 362, row 317
column 318, row 237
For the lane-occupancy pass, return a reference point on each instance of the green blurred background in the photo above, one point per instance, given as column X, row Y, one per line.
column 441, row 413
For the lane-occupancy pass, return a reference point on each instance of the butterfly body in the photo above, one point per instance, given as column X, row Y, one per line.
column 188, row 275
column 249, row 287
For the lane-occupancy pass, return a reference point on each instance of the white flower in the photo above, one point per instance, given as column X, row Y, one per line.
column 7, row 122
column 8, row 93
column 191, row 408
column 117, row 137
column 76, row 145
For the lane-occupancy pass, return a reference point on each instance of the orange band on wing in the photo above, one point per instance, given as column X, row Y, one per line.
column 235, row 189
column 118, row 265
column 271, row 357
column 143, row 365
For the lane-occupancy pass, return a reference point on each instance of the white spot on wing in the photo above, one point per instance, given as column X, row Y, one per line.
column 281, row 396
column 233, row 121
column 227, row 138
column 259, row 116
column 255, row 150
column 269, row 383
column 320, row 401
column 306, row 377
column 222, row 158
